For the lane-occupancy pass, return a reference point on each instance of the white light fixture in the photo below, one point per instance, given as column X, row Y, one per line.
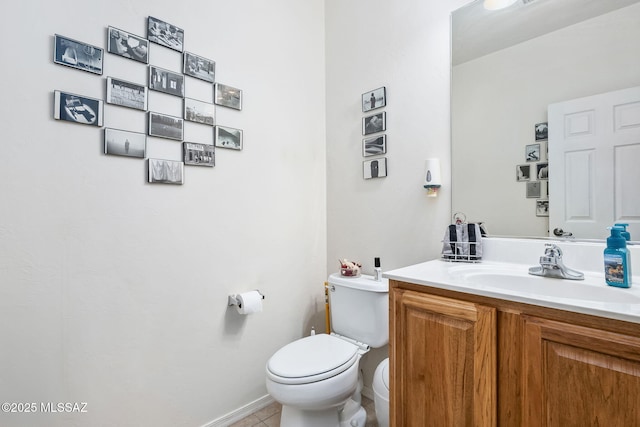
column 497, row 4
column 432, row 179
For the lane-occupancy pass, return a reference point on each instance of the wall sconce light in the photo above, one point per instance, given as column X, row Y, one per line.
column 432, row 179
column 497, row 4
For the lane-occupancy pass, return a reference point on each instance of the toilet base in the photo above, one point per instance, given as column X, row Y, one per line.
column 353, row 415
column 294, row 417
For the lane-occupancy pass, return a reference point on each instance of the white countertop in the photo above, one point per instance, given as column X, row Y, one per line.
column 591, row 296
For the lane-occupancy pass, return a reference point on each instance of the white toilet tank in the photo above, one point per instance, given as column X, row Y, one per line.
column 359, row 308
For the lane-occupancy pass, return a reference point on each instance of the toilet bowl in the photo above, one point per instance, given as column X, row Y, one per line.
column 381, row 393
column 316, row 378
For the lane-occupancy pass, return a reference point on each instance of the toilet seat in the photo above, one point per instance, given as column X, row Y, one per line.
column 311, row 359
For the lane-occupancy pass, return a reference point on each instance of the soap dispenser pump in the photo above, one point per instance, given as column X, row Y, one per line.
column 617, row 264
column 378, row 271
column 624, row 233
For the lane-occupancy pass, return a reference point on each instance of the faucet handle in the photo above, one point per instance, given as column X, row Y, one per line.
column 553, row 250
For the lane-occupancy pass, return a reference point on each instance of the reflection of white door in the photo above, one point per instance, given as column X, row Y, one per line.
column 594, row 163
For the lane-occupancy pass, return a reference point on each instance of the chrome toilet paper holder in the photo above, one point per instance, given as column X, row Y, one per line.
column 233, row 300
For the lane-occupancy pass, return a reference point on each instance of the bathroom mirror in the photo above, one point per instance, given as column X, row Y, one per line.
column 507, row 67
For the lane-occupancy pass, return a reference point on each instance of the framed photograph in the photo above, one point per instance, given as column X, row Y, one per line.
column 374, row 99
column 199, row 112
column 164, row 126
column 77, row 108
column 165, row 34
column 523, row 172
column 542, row 207
column 75, row 54
column 199, row 67
column 374, row 123
column 532, row 152
column 533, row 190
column 127, row 94
column 374, row 145
column 374, row 168
column 228, row 96
column 226, row 137
column 198, row 154
column 542, row 170
column 125, row 143
column 166, row 171
column 166, row 81
column 542, row 131
column 127, row 45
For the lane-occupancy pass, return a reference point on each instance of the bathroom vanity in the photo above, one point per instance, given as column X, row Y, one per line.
column 488, row 345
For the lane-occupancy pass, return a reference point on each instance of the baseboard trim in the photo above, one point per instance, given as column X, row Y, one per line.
column 242, row 412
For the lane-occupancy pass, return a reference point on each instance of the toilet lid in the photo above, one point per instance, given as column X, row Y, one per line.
column 311, row 359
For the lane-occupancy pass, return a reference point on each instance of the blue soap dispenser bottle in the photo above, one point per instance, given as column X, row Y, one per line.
column 617, row 265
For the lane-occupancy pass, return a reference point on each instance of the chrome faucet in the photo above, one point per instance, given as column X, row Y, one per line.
column 551, row 265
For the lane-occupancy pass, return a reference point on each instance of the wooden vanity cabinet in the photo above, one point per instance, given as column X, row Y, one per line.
column 464, row 360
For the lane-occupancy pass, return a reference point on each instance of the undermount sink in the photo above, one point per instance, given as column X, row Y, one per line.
column 516, row 279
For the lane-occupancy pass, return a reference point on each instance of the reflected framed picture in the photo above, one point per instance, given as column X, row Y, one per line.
column 77, row 108
column 542, row 207
column 198, row 154
column 542, row 170
column 373, row 99
column 374, row 123
column 523, row 172
column 165, row 171
column 199, row 67
column 127, row 45
column 374, row 168
column 533, row 190
column 166, row 81
column 124, row 143
column 228, row 96
column 127, row 94
column 542, row 131
column 164, row 126
column 532, row 152
column 165, row 34
column 79, row 55
column 374, row 145
column 227, row 137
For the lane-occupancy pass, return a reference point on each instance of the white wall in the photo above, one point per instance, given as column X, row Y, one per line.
column 497, row 100
column 404, row 46
column 113, row 291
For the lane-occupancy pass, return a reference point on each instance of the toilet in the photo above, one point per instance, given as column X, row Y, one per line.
column 317, row 378
column 381, row 393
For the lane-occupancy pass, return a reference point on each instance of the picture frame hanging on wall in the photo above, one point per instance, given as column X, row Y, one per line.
column 199, row 112
column 542, row 207
column 165, row 171
column 532, row 152
column 228, row 137
column 228, row 96
column 127, row 94
column 127, row 45
column 77, row 108
column 166, row 81
column 199, row 67
column 165, row 34
column 542, row 131
column 165, row 126
column 523, row 172
column 376, row 168
column 196, row 154
column 124, row 143
column 374, row 145
column 542, row 171
column 374, row 123
column 533, row 190
column 78, row 55
column 374, row 99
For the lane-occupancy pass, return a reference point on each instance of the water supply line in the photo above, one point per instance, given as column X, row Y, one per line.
column 327, row 318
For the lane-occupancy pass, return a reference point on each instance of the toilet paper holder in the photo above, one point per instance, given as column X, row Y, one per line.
column 233, row 300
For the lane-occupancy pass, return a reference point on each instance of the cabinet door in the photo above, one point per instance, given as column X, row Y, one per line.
column 579, row 376
column 443, row 358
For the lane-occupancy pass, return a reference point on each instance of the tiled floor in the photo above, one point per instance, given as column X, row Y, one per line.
column 270, row 416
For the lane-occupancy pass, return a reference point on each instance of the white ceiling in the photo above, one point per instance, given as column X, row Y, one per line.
column 477, row 32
